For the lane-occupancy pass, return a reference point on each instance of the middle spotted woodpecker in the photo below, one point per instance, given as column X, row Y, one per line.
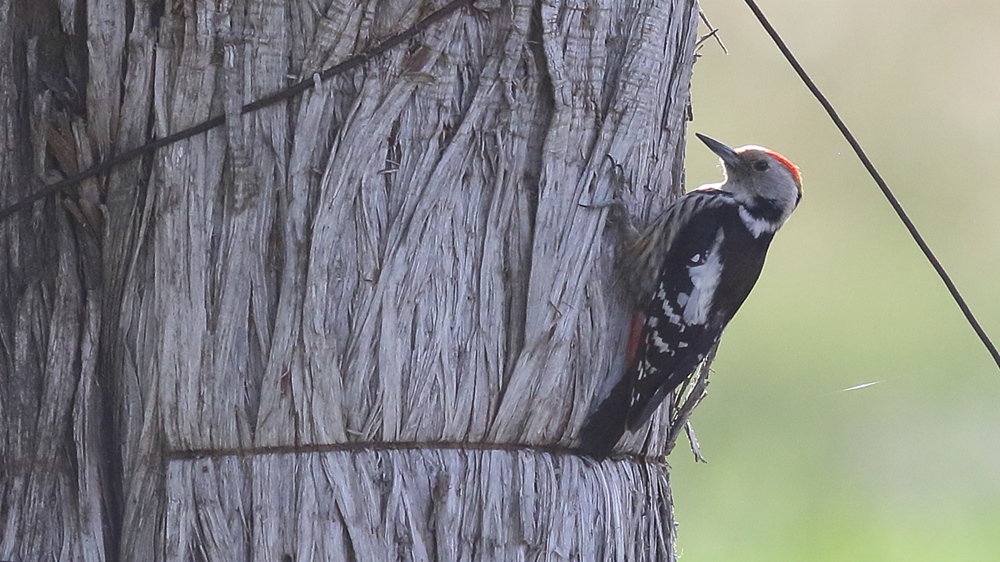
column 689, row 272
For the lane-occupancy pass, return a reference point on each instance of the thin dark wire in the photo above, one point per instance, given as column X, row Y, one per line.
column 878, row 180
column 281, row 95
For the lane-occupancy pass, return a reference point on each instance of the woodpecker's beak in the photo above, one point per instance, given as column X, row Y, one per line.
column 728, row 155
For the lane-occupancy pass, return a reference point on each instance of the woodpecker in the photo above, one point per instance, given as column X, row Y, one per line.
column 689, row 271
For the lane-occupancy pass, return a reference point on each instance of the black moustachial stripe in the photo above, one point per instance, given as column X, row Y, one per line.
column 765, row 209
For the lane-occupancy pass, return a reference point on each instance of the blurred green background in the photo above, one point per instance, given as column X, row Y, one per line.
column 799, row 467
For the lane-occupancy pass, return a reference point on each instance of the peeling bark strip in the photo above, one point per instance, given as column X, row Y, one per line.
column 398, row 256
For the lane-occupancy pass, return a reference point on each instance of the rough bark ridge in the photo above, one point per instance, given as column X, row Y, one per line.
column 302, row 316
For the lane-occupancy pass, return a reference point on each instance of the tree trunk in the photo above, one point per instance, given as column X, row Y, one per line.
column 363, row 324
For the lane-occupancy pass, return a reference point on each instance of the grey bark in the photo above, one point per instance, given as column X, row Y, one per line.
column 365, row 324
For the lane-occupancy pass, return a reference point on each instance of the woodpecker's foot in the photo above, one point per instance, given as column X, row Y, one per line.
column 618, row 215
column 615, row 206
column 618, row 218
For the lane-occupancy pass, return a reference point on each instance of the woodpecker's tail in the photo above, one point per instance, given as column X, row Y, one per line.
column 605, row 425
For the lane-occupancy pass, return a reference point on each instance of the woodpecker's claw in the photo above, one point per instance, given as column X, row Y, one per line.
column 618, row 216
column 615, row 166
column 617, row 212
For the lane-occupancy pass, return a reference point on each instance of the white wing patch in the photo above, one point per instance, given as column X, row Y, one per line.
column 660, row 345
column 671, row 316
column 705, row 280
column 644, row 256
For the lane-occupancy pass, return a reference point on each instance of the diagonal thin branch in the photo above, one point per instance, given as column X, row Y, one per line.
column 896, row 206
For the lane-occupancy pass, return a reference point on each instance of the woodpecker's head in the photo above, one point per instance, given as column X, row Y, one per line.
column 759, row 177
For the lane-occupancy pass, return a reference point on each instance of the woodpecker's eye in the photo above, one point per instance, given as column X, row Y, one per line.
column 760, row 165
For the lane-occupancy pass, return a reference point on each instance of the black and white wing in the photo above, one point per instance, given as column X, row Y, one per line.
column 681, row 318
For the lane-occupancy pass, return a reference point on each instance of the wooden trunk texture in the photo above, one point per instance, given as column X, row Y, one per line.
column 365, row 324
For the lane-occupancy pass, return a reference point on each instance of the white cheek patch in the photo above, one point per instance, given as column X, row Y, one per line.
column 705, row 280
column 756, row 225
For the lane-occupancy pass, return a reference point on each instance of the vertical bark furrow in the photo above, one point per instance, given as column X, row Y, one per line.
column 247, row 345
